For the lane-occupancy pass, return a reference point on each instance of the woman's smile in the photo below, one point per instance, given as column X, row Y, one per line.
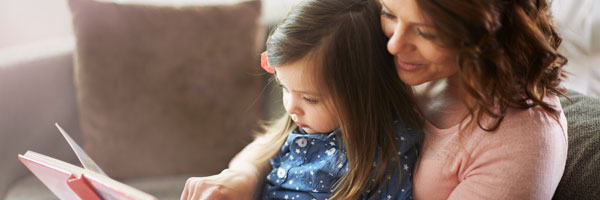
column 408, row 66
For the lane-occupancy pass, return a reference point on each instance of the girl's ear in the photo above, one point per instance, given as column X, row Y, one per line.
column 264, row 63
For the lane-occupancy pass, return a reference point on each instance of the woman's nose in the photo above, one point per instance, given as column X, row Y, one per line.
column 399, row 43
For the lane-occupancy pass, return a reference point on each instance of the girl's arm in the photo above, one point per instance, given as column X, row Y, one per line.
column 242, row 180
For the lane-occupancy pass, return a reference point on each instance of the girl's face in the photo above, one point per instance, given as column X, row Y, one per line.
column 412, row 42
column 302, row 100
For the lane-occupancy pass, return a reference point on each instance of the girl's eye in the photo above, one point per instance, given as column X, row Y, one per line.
column 388, row 15
column 425, row 35
column 310, row 101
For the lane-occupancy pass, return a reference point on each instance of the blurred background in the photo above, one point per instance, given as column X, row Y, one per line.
column 101, row 67
column 25, row 22
column 48, row 72
column 29, row 22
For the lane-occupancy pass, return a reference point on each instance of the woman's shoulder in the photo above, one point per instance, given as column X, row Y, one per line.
column 536, row 119
column 530, row 128
column 526, row 152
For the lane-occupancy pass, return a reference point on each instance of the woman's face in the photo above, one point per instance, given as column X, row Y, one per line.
column 412, row 41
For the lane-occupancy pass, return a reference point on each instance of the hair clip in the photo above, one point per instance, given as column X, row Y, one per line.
column 264, row 63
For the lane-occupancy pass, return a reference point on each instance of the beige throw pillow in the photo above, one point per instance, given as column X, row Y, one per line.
column 167, row 89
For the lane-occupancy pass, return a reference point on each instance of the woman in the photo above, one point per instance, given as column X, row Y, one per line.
column 486, row 75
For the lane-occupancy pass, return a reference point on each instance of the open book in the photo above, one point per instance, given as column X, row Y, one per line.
column 68, row 181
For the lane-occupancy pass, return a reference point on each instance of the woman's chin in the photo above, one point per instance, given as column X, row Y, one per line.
column 411, row 79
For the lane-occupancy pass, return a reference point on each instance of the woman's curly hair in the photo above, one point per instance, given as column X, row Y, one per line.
column 507, row 52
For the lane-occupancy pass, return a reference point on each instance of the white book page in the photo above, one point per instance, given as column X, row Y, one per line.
column 54, row 163
column 85, row 160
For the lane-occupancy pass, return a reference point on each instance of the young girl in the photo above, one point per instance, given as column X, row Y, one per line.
column 347, row 131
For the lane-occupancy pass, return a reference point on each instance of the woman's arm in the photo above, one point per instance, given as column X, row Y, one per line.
column 523, row 161
column 242, row 180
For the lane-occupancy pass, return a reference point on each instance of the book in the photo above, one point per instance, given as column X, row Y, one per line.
column 68, row 181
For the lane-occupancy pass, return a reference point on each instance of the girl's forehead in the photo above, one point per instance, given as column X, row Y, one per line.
column 304, row 68
column 297, row 77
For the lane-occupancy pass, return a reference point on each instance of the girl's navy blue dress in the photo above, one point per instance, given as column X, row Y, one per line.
column 308, row 166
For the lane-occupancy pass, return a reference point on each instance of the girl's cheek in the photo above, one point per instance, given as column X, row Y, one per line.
column 285, row 99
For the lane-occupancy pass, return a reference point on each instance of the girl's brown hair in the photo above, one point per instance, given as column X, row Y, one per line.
column 345, row 40
column 507, row 53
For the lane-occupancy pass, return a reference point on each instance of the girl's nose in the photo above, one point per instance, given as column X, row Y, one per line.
column 294, row 117
column 293, row 108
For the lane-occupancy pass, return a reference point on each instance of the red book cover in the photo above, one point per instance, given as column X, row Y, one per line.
column 82, row 188
column 50, row 176
column 68, row 181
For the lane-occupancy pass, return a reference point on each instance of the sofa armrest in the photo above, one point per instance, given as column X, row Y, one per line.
column 36, row 90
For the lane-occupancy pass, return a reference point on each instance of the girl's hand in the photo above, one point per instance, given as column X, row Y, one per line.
column 229, row 184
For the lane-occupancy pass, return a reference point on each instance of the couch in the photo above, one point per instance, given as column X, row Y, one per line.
column 147, row 90
column 154, row 91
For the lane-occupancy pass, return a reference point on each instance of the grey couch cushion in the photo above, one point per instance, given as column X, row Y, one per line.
column 581, row 179
column 36, row 90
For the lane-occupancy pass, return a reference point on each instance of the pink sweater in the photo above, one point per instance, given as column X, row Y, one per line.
column 523, row 159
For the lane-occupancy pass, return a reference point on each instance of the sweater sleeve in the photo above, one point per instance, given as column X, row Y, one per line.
column 524, row 159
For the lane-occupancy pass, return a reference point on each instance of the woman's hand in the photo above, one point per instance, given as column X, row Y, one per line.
column 242, row 180
column 229, row 184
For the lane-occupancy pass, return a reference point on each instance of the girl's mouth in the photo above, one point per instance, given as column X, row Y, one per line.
column 301, row 125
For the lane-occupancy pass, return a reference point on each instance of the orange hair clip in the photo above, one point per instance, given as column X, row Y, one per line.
column 264, row 63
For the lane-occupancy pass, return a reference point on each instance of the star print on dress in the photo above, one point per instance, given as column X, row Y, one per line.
column 308, row 166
